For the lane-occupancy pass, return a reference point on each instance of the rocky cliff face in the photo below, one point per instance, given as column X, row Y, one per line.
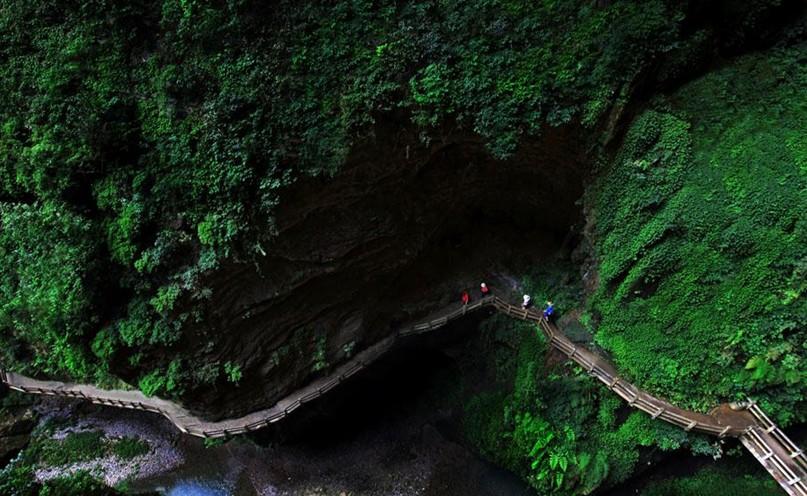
column 17, row 420
column 351, row 250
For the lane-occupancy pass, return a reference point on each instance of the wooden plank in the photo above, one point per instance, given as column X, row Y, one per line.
column 353, row 370
column 274, row 418
column 433, row 324
column 329, row 385
column 295, row 405
column 790, row 477
column 310, row 396
column 195, row 433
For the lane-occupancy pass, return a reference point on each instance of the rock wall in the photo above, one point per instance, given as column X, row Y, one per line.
column 328, row 285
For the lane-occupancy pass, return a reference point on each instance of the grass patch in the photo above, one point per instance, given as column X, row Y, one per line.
column 129, row 447
column 76, row 447
column 84, row 446
column 713, row 481
column 18, row 477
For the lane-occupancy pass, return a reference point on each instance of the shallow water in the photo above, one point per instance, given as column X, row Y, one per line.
column 400, row 444
column 195, row 488
column 214, row 471
column 376, row 464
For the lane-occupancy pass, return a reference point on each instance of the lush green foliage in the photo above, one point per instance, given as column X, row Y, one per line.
column 46, row 251
column 142, row 143
column 702, row 240
column 716, row 482
column 17, row 478
column 554, row 426
column 551, row 423
column 161, row 133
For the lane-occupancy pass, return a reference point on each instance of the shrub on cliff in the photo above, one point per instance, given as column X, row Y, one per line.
column 701, row 238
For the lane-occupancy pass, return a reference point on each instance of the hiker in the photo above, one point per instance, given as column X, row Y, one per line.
column 465, row 297
column 549, row 310
column 527, row 301
column 484, row 289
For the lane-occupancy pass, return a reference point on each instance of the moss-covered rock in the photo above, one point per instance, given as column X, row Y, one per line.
column 701, row 234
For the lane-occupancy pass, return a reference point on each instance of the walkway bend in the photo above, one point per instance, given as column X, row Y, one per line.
column 777, row 453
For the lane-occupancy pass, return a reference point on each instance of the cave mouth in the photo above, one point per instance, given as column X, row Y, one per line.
column 506, row 219
column 485, row 246
column 519, row 220
column 503, row 219
column 388, row 395
column 416, row 384
column 403, row 388
column 386, row 242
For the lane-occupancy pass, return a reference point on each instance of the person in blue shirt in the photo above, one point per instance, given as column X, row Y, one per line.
column 549, row 310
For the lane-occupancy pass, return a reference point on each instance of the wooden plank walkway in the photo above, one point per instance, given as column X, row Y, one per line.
column 775, row 451
column 780, row 456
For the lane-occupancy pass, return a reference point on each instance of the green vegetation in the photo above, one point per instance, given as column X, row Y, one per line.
column 550, row 423
column 83, row 446
column 17, row 478
column 128, row 448
column 212, row 442
column 319, row 354
column 144, row 142
column 233, row 372
column 44, row 299
column 75, row 447
column 716, row 481
column 702, row 240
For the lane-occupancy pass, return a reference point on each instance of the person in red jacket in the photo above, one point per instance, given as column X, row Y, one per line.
column 484, row 289
column 465, row 297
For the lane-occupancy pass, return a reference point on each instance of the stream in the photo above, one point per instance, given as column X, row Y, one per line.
column 400, row 441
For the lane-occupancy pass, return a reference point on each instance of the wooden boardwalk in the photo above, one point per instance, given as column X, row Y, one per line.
column 774, row 450
column 780, row 456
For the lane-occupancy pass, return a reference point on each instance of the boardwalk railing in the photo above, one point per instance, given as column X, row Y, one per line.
column 777, row 453
column 780, row 456
column 769, row 427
